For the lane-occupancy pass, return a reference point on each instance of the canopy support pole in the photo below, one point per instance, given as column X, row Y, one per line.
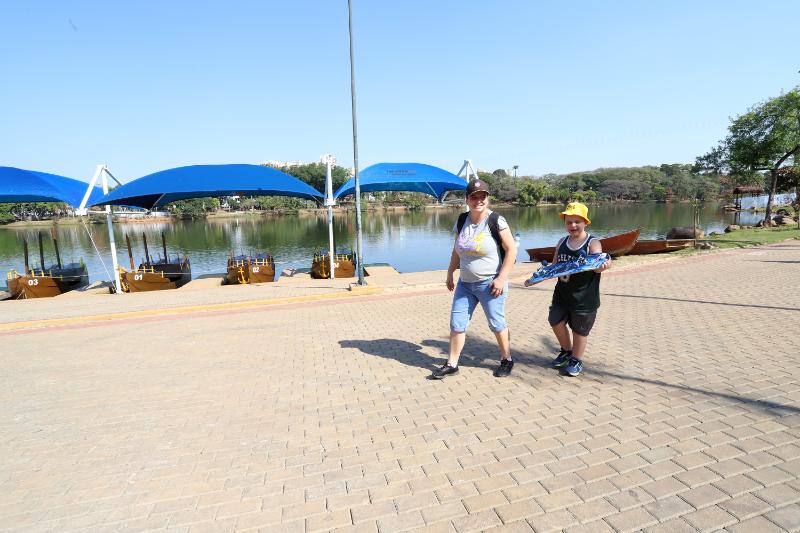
column 359, row 257
column 102, row 173
column 467, row 166
column 330, row 202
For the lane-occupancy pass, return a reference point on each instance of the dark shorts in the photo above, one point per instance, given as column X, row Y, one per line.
column 580, row 323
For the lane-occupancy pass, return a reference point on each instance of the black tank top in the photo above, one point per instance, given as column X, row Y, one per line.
column 577, row 292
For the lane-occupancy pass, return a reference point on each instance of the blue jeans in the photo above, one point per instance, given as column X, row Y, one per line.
column 465, row 300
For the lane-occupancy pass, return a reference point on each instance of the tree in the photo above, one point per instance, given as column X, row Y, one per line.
column 761, row 140
column 314, row 175
column 531, row 192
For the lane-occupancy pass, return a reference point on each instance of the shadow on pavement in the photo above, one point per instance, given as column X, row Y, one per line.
column 482, row 353
column 669, row 299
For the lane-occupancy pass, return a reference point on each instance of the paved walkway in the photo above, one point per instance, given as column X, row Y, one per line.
column 316, row 415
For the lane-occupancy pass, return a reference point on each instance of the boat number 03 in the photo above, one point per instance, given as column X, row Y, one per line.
column 256, row 269
column 137, row 277
column 33, row 282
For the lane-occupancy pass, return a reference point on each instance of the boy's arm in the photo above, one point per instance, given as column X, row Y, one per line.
column 596, row 248
column 510, row 248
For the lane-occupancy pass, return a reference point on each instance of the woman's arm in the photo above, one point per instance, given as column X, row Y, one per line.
column 510, row 248
column 454, row 263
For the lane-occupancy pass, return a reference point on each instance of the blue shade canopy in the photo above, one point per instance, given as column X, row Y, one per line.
column 19, row 186
column 409, row 177
column 200, row 181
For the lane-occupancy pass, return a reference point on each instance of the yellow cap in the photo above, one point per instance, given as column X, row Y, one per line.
column 576, row 208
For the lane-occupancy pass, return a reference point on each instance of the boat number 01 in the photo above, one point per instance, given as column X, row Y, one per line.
column 33, row 282
column 137, row 277
column 256, row 269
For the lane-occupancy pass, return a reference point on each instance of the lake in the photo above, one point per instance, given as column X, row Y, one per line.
column 409, row 241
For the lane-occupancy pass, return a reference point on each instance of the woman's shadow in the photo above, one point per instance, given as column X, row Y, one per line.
column 477, row 352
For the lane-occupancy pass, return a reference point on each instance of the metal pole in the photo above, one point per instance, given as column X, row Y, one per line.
column 329, row 202
column 359, row 256
column 110, row 223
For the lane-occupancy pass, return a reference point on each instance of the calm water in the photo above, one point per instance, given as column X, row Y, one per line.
column 411, row 242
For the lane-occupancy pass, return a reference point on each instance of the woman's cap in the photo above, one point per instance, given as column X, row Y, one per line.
column 477, row 185
column 576, row 208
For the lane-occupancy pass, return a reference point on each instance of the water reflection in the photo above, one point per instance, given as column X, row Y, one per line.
column 410, row 241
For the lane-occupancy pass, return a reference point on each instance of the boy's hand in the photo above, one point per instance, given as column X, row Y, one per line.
column 449, row 282
column 604, row 266
column 497, row 286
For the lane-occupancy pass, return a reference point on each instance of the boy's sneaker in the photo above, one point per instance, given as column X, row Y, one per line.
column 445, row 370
column 563, row 358
column 504, row 369
column 574, row 367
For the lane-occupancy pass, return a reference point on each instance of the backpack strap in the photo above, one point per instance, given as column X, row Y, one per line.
column 462, row 219
column 494, row 229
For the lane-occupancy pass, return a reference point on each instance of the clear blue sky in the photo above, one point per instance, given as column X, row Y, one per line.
column 550, row 86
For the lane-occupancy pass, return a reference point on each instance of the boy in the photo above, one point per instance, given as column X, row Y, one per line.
column 576, row 297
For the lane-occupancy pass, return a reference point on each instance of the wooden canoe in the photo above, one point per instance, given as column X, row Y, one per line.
column 657, row 246
column 144, row 281
column 155, row 275
column 47, row 283
column 247, row 269
column 615, row 246
column 344, row 266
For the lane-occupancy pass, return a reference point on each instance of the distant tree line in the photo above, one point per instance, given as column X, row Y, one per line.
column 668, row 182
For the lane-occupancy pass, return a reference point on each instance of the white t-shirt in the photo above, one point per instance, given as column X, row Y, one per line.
column 477, row 250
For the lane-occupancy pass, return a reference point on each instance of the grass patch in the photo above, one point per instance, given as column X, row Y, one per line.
column 754, row 236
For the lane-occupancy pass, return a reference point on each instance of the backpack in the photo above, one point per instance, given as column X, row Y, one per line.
column 494, row 229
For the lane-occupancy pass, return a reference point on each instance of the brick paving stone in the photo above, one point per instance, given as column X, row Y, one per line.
column 668, row 507
column 737, row 485
column 477, row 522
column 787, row 518
column 664, row 488
column 778, row 495
column 515, row 527
column 676, row 525
column 328, row 521
column 629, row 499
column 757, row 524
column 400, row 522
column 552, row 521
column 557, row 500
column 745, row 506
column 592, row 511
column 631, row 520
column 444, row 511
column 711, row 518
column 518, row 510
column 703, row 496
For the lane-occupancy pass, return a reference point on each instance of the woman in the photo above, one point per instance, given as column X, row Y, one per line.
column 485, row 252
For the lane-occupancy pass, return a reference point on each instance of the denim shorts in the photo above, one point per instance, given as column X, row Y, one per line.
column 466, row 298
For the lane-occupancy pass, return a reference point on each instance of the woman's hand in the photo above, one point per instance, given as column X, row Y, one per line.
column 498, row 284
column 449, row 282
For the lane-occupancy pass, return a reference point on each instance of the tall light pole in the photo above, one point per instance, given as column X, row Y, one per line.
column 359, row 256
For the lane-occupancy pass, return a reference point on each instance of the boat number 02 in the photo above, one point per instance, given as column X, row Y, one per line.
column 137, row 277
column 33, row 282
column 256, row 269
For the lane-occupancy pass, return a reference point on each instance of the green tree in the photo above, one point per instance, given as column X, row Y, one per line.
column 763, row 139
column 314, row 175
column 531, row 191
column 194, row 207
